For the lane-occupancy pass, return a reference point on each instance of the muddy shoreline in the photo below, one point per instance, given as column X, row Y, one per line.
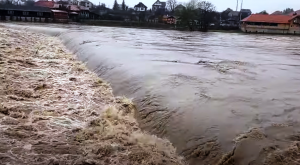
column 54, row 111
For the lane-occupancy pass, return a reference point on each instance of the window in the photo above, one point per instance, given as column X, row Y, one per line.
column 25, row 13
column 39, row 14
column 10, row 12
column 273, row 24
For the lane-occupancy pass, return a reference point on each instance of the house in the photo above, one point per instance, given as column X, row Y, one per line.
column 73, row 2
column 86, row 3
column 158, row 6
column 280, row 24
column 245, row 13
column 73, row 11
column 233, row 18
column 140, row 7
column 84, row 12
column 171, row 20
column 60, row 16
column 179, row 8
column 24, row 13
column 164, row 18
column 152, row 19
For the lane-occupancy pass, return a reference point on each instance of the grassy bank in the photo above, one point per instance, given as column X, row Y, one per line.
column 54, row 111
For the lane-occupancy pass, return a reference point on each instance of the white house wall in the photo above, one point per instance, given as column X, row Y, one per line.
column 140, row 9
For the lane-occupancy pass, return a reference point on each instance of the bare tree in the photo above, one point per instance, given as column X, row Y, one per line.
column 171, row 4
column 207, row 13
column 29, row 2
column 188, row 13
column 264, row 12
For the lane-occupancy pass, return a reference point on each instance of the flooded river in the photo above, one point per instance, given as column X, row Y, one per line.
column 211, row 94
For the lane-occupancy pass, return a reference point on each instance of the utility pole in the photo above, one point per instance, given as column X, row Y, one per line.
column 241, row 9
column 237, row 5
column 242, row 4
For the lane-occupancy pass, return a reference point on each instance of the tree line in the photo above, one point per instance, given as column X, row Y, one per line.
column 196, row 14
column 284, row 12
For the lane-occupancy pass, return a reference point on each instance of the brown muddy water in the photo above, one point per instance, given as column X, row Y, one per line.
column 206, row 92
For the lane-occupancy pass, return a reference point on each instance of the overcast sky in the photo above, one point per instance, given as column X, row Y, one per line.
column 254, row 5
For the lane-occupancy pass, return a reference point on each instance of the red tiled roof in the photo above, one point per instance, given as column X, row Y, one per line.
column 268, row 18
column 74, row 8
column 48, row 4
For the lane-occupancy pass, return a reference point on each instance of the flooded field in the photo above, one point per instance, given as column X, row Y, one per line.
column 219, row 97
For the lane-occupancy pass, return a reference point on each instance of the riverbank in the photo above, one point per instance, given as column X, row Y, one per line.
column 147, row 25
column 54, row 111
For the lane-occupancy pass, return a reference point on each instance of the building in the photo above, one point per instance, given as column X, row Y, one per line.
column 86, row 3
column 279, row 24
column 233, row 18
column 171, row 20
column 84, row 12
column 25, row 13
column 245, row 13
column 158, row 6
column 140, row 7
column 152, row 19
column 73, row 2
column 179, row 8
column 60, row 16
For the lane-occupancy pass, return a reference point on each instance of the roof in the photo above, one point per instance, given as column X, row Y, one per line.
column 73, row 13
column 58, row 11
column 277, row 13
column 158, row 3
column 268, row 18
column 140, row 5
column 246, row 11
column 24, row 8
column 73, row 7
column 48, row 4
column 234, row 13
column 83, row 8
column 179, row 6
